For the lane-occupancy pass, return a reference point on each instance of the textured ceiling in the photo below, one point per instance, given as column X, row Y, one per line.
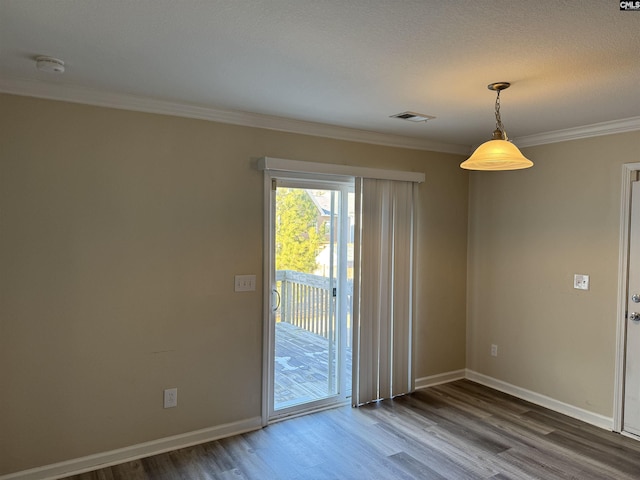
column 349, row 63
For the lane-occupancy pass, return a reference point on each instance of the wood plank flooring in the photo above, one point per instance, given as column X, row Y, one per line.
column 459, row 431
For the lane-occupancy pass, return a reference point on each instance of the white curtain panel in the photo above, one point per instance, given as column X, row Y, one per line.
column 384, row 293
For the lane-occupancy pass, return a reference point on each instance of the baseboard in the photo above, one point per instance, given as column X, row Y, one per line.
column 114, row 457
column 440, row 378
column 542, row 400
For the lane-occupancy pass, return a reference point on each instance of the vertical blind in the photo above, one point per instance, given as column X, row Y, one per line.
column 384, row 292
column 384, row 299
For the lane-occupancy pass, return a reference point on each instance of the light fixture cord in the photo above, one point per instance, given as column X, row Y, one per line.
column 499, row 125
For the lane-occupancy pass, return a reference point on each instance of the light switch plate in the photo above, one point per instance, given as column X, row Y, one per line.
column 581, row 282
column 245, row 283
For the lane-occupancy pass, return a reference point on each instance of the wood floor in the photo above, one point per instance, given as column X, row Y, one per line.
column 458, row 431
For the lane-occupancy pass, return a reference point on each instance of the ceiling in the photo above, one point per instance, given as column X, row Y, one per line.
column 343, row 63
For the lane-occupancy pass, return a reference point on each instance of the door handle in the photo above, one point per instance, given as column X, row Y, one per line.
column 278, row 302
column 634, row 316
column 635, row 298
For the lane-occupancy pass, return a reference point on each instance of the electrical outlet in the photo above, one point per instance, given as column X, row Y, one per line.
column 581, row 282
column 494, row 350
column 170, row 398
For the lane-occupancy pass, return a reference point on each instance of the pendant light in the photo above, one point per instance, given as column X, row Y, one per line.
column 498, row 153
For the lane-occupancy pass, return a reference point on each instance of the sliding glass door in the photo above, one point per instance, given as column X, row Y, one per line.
column 311, row 227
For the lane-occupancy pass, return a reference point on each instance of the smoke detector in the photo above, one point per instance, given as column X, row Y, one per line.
column 49, row 65
column 413, row 116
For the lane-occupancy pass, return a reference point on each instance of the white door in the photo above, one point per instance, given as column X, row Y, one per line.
column 631, row 409
column 309, row 339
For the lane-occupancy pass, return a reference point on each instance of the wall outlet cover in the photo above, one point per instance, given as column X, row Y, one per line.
column 170, row 398
column 581, row 282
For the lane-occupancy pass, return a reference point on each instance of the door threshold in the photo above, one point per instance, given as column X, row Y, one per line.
column 634, row 436
column 300, row 413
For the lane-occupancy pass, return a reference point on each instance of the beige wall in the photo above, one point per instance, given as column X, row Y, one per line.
column 529, row 232
column 120, row 235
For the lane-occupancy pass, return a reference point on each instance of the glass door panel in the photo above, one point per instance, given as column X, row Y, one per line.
column 306, row 357
column 311, row 272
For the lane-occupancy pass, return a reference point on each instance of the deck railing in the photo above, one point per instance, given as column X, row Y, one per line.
column 306, row 301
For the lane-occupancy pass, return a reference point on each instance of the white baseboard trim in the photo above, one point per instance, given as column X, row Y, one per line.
column 542, row 400
column 121, row 455
column 439, row 379
column 114, row 457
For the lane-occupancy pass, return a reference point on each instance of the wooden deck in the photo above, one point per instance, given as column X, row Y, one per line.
column 301, row 372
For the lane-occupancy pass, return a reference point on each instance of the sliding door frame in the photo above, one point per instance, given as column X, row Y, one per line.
column 314, row 182
column 282, row 168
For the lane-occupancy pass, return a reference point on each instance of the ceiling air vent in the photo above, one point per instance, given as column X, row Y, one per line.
column 413, row 116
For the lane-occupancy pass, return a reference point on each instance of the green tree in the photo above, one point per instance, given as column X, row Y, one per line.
column 297, row 238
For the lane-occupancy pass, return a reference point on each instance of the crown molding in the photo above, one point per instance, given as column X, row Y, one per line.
column 587, row 131
column 75, row 94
